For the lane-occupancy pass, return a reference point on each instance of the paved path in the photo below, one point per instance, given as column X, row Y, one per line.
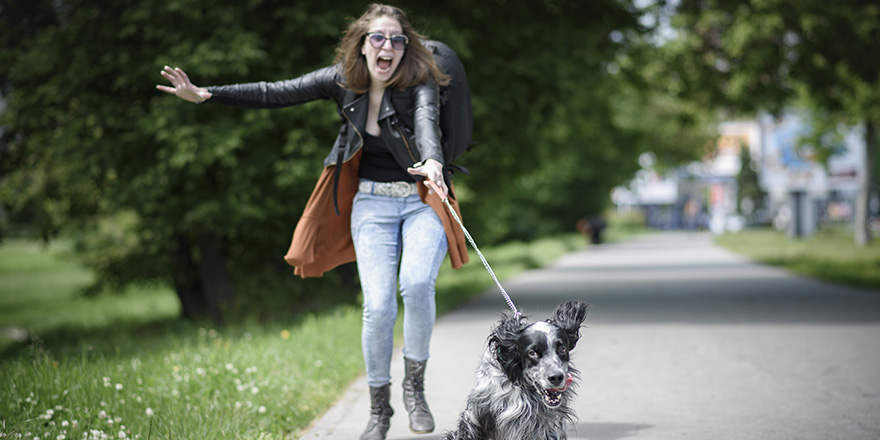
column 684, row 341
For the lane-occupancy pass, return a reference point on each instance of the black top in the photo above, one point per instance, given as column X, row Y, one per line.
column 378, row 164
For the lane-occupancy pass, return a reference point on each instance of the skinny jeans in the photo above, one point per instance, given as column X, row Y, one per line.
column 399, row 243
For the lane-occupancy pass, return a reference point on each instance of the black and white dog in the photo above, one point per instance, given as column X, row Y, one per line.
column 524, row 380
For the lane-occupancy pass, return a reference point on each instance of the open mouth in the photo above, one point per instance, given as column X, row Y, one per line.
column 383, row 63
column 552, row 397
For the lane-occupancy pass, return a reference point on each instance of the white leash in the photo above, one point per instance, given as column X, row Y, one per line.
column 467, row 234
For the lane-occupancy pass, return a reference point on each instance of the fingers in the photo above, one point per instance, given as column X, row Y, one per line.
column 175, row 76
column 183, row 75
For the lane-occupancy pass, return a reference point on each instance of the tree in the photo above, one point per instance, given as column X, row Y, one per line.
column 747, row 55
column 152, row 189
column 204, row 198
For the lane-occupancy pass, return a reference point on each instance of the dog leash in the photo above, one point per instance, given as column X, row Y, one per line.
column 436, row 189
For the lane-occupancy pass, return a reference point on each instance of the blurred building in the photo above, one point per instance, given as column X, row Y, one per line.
column 800, row 193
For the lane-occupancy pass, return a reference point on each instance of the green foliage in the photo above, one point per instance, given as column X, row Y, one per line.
column 743, row 56
column 747, row 184
column 146, row 184
column 184, row 382
column 100, row 366
column 548, row 149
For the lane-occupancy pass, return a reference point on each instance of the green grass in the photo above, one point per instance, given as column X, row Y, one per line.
column 123, row 366
column 40, row 289
column 830, row 255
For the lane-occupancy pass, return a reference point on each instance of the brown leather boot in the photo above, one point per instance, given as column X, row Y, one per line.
column 420, row 419
column 380, row 413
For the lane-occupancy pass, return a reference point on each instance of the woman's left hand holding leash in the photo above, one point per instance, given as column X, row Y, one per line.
column 433, row 172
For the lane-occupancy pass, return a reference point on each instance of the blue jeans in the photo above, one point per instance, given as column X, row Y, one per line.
column 396, row 239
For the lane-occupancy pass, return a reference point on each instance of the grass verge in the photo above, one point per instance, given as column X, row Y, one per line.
column 830, row 255
column 124, row 367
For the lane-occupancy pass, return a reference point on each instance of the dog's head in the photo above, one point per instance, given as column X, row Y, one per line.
column 536, row 355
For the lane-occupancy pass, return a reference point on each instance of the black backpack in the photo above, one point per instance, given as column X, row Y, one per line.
column 456, row 116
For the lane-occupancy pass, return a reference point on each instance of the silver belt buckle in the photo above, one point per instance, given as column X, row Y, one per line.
column 399, row 189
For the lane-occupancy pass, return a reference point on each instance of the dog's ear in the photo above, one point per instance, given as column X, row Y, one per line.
column 569, row 316
column 503, row 341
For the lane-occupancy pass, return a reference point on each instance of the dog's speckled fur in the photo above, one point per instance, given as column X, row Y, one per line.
column 524, row 380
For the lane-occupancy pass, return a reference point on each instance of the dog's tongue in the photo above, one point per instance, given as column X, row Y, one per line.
column 568, row 382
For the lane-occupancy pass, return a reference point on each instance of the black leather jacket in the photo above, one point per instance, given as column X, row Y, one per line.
column 409, row 118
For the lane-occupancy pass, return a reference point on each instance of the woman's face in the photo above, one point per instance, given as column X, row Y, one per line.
column 382, row 62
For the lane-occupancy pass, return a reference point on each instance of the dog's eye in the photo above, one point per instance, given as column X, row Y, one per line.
column 561, row 350
column 533, row 354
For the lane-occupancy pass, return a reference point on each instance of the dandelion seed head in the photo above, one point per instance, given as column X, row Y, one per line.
column 118, row 387
column 150, row 412
column 261, row 409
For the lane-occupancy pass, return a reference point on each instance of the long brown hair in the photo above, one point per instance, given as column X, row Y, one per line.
column 416, row 67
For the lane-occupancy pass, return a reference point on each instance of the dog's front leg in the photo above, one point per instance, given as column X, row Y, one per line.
column 465, row 431
column 473, row 425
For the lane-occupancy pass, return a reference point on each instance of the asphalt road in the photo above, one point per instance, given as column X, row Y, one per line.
column 685, row 340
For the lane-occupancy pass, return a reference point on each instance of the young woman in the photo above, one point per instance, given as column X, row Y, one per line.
column 368, row 204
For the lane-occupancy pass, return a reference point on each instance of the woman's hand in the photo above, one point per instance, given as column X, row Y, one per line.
column 183, row 87
column 433, row 171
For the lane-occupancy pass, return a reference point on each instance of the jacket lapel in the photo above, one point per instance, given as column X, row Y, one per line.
column 387, row 109
column 355, row 109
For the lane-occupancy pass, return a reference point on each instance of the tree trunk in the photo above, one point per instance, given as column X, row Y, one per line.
column 862, row 222
column 187, row 282
column 218, row 285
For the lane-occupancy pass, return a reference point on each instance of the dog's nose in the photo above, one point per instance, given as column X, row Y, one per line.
column 556, row 379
